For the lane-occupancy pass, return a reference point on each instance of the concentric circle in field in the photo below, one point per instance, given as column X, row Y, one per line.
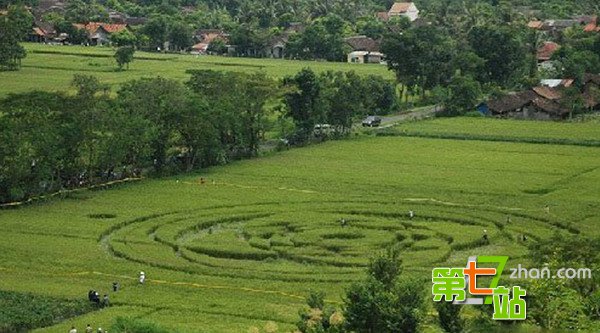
column 320, row 241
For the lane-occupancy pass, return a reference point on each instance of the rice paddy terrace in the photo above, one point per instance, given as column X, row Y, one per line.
column 245, row 248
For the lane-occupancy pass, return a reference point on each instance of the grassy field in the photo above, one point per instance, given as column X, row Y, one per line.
column 507, row 129
column 246, row 247
column 51, row 68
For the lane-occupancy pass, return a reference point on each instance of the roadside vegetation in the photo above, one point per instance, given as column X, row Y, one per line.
column 55, row 141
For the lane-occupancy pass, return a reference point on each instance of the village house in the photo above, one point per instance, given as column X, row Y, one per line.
column 99, row 33
column 524, row 105
column 553, row 83
column 545, row 102
column 365, row 50
column 365, row 57
column 203, row 38
column 544, row 55
column 591, row 91
column 277, row 45
column 406, row 9
column 556, row 27
column 41, row 32
column 592, row 27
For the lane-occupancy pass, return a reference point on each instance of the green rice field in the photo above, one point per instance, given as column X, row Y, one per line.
column 245, row 248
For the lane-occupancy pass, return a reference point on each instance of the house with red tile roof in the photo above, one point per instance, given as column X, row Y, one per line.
column 592, row 26
column 99, row 33
column 545, row 52
column 407, row 9
column 545, row 102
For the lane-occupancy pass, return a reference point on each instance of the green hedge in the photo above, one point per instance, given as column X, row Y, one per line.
column 22, row 312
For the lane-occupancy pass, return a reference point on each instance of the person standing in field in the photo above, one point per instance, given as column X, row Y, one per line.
column 142, row 277
column 73, row 330
column 411, row 214
column 89, row 329
column 105, row 301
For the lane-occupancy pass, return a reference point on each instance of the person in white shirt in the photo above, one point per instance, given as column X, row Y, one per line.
column 142, row 277
column 73, row 330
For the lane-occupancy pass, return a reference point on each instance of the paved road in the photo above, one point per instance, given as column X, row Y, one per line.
column 386, row 121
column 414, row 114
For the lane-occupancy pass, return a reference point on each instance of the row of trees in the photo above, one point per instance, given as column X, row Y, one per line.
column 334, row 98
column 267, row 14
column 51, row 141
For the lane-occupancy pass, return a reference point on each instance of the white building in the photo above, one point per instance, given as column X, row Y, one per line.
column 365, row 57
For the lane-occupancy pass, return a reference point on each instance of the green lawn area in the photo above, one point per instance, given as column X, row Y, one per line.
column 247, row 246
column 51, row 68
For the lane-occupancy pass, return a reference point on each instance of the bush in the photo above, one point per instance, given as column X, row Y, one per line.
column 21, row 312
column 449, row 315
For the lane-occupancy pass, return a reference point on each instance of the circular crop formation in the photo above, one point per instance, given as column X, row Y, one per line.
column 322, row 241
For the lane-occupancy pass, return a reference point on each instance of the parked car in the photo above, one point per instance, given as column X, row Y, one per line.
column 371, row 121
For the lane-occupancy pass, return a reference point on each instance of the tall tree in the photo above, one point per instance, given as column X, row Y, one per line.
column 504, row 54
column 158, row 100
column 302, row 102
column 384, row 302
column 420, row 57
column 180, row 36
column 13, row 28
column 156, row 29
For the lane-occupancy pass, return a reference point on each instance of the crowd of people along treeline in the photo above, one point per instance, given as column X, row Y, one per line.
column 51, row 141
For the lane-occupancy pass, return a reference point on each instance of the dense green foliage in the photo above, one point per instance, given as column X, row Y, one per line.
column 14, row 26
column 449, row 314
column 155, row 123
column 22, row 312
column 385, row 301
column 336, row 99
column 53, row 141
column 318, row 317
